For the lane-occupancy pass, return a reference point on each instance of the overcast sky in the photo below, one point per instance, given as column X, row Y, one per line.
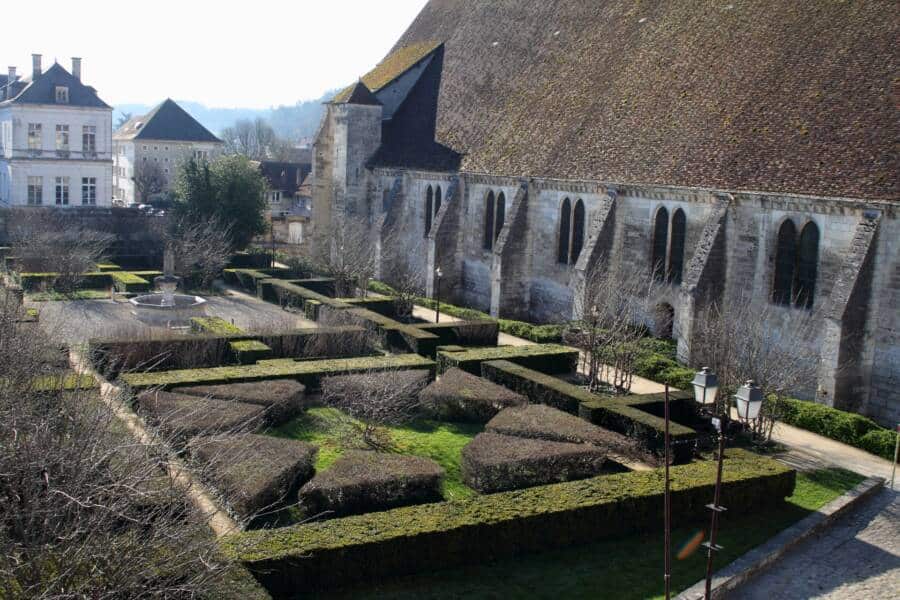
column 221, row 53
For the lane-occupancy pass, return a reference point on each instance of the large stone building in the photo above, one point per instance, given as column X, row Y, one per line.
column 148, row 149
column 745, row 150
column 55, row 139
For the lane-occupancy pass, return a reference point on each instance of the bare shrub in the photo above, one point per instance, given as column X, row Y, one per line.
column 407, row 281
column 200, row 248
column 614, row 305
column 755, row 341
column 375, row 399
column 347, row 253
column 47, row 241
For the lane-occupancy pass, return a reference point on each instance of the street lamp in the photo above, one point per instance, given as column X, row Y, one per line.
column 706, row 386
column 749, row 399
column 437, row 294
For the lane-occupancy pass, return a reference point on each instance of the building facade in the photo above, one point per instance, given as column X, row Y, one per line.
column 743, row 166
column 148, row 149
column 55, row 140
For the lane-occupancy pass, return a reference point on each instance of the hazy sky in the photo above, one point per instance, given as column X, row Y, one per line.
column 221, row 53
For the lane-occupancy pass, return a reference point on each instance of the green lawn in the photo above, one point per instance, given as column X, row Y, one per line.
column 622, row 569
column 441, row 442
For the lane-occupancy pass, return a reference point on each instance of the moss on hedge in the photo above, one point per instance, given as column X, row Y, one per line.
column 215, row 326
column 125, row 281
column 462, row 397
column 282, row 398
column 307, row 372
column 431, row 536
column 547, row 358
column 184, row 417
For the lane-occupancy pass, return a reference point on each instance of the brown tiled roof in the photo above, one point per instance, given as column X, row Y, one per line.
column 395, row 64
column 739, row 94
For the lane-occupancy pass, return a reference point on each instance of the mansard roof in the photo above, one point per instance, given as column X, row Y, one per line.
column 770, row 96
column 42, row 90
column 399, row 61
column 168, row 122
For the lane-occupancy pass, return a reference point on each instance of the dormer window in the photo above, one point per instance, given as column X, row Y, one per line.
column 62, row 94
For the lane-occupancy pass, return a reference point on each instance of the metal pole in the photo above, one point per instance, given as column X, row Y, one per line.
column 437, row 298
column 716, row 509
column 896, row 452
column 667, row 508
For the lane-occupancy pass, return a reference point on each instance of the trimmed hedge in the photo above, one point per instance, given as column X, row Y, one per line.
column 423, row 538
column 463, row 333
column 255, row 472
column 184, row 417
column 398, row 336
column 362, row 481
column 282, row 398
column 126, row 282
column 247, row 352
column 307, row 372
column 215, row 326
column 542, row 334
column 32, row 282
column 547, row 358
column 459, row 396
column 495, row 463
column 849, row 428
column 621, row 414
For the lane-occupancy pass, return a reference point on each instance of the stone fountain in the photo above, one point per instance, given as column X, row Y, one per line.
column 165, row 308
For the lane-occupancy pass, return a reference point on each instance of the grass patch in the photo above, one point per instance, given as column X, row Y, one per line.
column 626, row 568
column 441, row 442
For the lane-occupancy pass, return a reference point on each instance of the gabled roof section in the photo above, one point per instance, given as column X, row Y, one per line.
column 43, row 90
column 393, row 66
column 362, row 95
column 168, row 121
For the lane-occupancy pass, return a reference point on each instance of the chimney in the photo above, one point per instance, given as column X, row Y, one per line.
column 35, row 66
column 76, row 68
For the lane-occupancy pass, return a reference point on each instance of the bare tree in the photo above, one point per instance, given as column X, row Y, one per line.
column 48, row 241
column 149, row 180
column 346, row 252
column 614, row 304
column 200, row 248
column 407, row 281
column 255, row 139
column 375, row 399
column 748, row 340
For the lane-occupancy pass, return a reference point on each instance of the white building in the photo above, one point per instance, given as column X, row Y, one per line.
column 55, row 139
column 148, row 149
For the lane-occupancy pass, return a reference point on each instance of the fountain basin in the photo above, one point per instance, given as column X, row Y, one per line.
column 167, row 310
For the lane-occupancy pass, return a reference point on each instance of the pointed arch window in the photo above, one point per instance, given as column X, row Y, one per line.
column 501, row 215
column 489, row 208
column 577, row 231
column 660, row 243
column 429, row 194
column 437, row 200
column 807, row 266
column 565, row 228
column 785, row 261
column 676, row 248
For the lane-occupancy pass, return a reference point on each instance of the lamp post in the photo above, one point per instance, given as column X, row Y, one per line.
column 437, row 294
column 667, row 506
column 706, row 386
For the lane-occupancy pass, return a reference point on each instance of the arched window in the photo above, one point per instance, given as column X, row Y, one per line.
column 428, row 200
column 660, row 244
column 785, row 261
column 577, row 231
column 437, row 200
column 489, row 222
column 501, row 215
column 565, row 225
column 676, row 248
column 807, row 265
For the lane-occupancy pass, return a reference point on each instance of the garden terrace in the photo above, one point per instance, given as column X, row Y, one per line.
column 544, row 422
column 282, row 398
column 184, row 417
column 622, row 414
column 363, row 481
column 494, row 463
column 255, row 472
column 546, row 358
column 461, row 396
column 307, row 372
column 436, row 536
column 205, row 350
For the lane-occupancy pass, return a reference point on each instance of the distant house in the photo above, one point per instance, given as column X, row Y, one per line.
column 148, row 149
column 55, row 139
column 289, row 199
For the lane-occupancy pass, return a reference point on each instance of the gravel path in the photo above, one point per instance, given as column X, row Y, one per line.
column 856, row 559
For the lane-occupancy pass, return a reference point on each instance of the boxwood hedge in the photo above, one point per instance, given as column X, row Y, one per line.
column 849, row 428
column 546, row 358
column 434, row 536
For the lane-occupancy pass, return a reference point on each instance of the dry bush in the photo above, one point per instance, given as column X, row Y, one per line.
column 135, row 347
column 375, row 399
column 86, row 510
column 347, row 253
column 200, row 248
column 614, row 304
column 47, row 241
column 756, row 341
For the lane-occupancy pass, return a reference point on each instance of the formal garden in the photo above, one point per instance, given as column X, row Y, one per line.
column 373, row 449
